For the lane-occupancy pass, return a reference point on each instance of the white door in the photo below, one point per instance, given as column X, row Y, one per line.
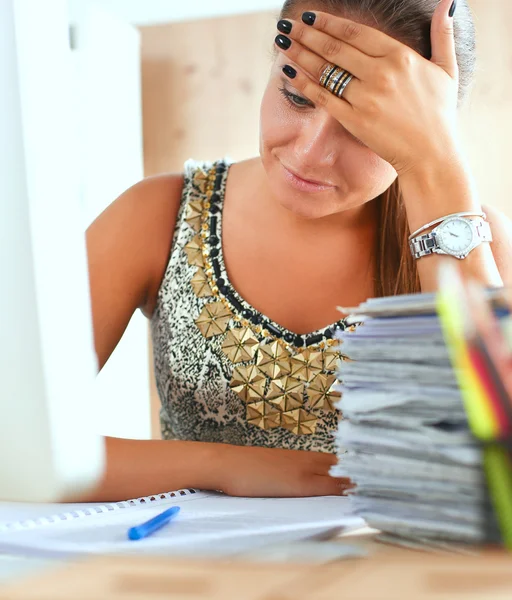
column 48, row 445
column 107, row 89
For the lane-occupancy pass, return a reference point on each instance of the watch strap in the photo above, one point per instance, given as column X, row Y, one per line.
column 483, row 230
column 423, row 245
column 426, row 244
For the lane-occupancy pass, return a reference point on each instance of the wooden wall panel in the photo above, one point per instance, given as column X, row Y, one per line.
column 202, row 85
column 203, row 81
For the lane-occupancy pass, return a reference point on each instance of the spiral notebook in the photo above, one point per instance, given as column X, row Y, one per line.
column 19, row 516
column 208, row 523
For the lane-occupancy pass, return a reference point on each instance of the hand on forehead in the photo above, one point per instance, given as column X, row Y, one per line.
column 382, row 91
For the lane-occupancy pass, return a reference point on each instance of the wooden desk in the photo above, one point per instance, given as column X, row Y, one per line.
column 390, row 573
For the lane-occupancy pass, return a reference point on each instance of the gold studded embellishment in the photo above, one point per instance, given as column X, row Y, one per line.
column 194, row 252
column 194, row 212
column 307, row 364
column 201, row 180
column 331, row 359
column 321, row 393
column 248, row 383
column 240, row 345
column 214, row 319
column 263, row 415
column 300, row 422
column 286, row 393
column 200, row 285
column 273, row 360
column 283, row 379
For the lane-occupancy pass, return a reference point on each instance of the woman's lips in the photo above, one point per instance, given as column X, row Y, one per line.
column 305, row 185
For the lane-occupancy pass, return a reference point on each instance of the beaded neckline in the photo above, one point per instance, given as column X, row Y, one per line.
column 211, row 230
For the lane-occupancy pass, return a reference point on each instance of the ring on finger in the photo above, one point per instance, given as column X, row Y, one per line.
column 335, row 79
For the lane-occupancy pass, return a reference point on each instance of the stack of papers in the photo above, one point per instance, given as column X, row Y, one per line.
column 404, row 438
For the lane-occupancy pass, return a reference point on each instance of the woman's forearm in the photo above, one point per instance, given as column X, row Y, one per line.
column 136, row 468
column 440, row 189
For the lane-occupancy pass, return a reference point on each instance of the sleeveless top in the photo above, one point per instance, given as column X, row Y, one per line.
column 225, row 372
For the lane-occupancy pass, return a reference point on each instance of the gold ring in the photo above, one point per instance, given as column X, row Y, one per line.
column 335, row 79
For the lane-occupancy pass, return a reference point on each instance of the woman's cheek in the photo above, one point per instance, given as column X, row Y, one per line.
column 277, row 120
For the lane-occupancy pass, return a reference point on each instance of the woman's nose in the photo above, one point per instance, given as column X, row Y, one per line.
column 319, row 140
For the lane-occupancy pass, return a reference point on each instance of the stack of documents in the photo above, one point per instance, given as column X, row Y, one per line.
column 404, row 438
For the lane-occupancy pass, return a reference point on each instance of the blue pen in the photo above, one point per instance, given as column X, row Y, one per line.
column 141, row 531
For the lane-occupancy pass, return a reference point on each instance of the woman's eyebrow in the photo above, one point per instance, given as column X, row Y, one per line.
column 286, row 82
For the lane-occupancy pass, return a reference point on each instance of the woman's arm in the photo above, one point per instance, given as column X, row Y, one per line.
column 404, row 107
column 501, row 246
column 128, row 248
column 444, row 187
column 146, row 467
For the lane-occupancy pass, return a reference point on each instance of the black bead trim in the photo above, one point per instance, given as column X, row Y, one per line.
column 299, row 342
column 231, row 297
column 230, row 294
column 256, row 319
column 315, row 339
column 216, row 267
column 273, row 330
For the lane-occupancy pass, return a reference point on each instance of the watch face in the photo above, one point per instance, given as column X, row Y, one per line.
column 455, row 236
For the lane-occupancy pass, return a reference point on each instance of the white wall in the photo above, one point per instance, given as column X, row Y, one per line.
column 149, row 12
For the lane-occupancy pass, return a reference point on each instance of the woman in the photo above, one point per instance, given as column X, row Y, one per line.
column 240, row 267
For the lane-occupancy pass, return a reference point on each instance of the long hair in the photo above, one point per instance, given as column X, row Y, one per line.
column 408, row 21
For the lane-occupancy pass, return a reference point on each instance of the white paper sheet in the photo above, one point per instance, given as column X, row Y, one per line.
column 208, row 523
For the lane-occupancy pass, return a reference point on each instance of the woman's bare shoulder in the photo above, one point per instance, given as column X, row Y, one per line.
column 157, row 202
column 128, row 247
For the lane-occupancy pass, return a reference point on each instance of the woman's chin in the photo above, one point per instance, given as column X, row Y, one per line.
column 307, row 205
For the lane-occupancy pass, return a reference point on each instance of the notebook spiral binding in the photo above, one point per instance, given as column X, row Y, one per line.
column 94, row 509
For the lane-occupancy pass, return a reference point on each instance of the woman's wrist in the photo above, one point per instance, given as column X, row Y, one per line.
column 208, row 464
column 438, row 188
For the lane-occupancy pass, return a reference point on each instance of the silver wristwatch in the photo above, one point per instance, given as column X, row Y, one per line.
column 455, row 236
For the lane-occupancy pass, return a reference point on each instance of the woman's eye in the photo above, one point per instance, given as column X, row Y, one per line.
column 294, row 99
column 298, row 100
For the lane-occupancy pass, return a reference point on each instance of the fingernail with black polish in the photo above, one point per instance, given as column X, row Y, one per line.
column 289, row 71
column 283, row 42
column 284, row 26
column 452, row 8
column 309, row 18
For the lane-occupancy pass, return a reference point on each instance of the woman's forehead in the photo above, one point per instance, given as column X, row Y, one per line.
column 357, row 15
